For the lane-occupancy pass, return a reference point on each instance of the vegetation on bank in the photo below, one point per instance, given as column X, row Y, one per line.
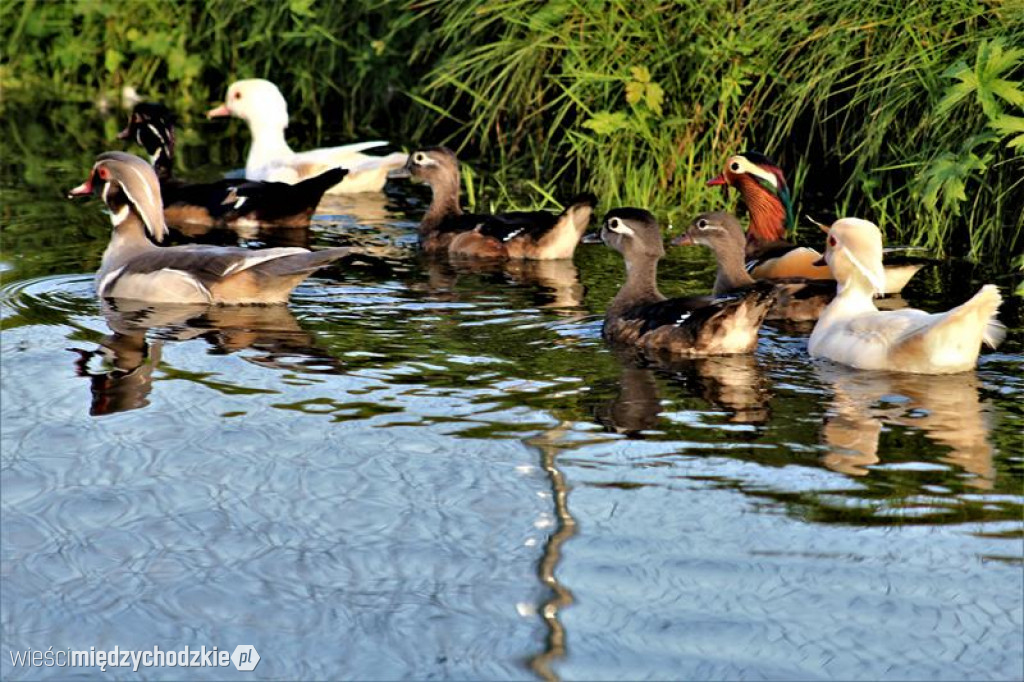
column 911, row 114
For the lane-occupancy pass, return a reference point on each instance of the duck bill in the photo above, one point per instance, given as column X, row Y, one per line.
column 218, row 112
column 592, row 238
column 83, row 190
column 682, row 240
column 718, row 180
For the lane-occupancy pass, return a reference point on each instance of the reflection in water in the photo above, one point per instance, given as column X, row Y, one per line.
column 549, row 444
column 945, row 407
column 557, row 280
column 731, row 382
column 128, row 358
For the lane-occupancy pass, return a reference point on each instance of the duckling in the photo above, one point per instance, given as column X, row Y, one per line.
column 134, row 267
column 531, row 235
column 799, row 299
column 261, row 105
column 763, row 188
column 640, row 315
column 237, row 203
column 851, row 331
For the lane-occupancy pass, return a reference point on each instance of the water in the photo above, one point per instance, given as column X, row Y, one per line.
column 440, row 471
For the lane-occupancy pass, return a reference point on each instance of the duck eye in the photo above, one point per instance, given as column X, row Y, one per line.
column 702, row 224
column 238, row 94
column 831, row 240
column 735, row 166
column 613, row 224
column 419, row 157
column 103, row 173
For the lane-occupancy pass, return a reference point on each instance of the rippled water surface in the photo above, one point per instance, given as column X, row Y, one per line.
column 427, row 470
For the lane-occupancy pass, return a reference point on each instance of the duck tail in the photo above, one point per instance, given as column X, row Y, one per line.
column 975, row 319
column 300, row 263
column 312, row 189
column 580, row 208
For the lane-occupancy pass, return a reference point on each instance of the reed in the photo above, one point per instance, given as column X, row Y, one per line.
column 911, row 114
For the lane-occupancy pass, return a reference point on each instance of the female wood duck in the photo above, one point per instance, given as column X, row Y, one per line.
column 697, row 325
column 799, row 299
column 135, row 267
column 532, row 235
column 851, row 331
column 763, row 188
column 237, row 203
column 261, row 105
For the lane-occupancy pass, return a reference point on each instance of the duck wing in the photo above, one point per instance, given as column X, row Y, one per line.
column 518, row 224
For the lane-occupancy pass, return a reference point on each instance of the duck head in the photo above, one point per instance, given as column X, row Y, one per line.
column 256, row 101
column 434, row 165
column 128, row 186
column 854, row 254
column 762, row 185
column 151, row 126
column 720, row 231
column 633, row 232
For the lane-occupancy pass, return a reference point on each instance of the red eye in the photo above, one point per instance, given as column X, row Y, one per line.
column 103, row 173
column 831, row 241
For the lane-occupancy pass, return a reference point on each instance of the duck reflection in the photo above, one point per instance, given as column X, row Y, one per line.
column 121, row 368
column 732, row 382
column 557, row 282
column 946, row 408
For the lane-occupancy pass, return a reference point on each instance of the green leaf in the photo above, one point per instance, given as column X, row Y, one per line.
column 112, row 60
column 607, row 122
column 634, row 92
column 640, row 74
column 654, row 97
column 1008, row 125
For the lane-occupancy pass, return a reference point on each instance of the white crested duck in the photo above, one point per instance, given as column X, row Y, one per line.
column 852, row 331
column 134, row 266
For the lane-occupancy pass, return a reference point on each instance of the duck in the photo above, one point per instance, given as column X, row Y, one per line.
column 762, row 186
column 528, row 235
column 135, row 266
column 641, row 316
column 236, row 203
column 852, row 331
column 799, row 299
column 261, row 105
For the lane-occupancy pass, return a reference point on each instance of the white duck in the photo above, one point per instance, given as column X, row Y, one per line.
column 852, row 331
column 259, row 103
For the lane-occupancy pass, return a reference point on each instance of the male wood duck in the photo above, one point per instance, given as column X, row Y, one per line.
column 852, row 331
column 640, row 315
column 134, row 266
column 799, row 299
column 237, row 203
column 261, row 105
column 532, row 235
column 762, row 186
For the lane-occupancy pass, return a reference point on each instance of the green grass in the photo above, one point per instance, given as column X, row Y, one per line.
column 910, row 114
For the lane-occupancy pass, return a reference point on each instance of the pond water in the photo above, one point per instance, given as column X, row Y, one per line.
column 420, row 469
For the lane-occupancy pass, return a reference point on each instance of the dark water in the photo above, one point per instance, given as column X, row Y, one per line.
column 434, row 471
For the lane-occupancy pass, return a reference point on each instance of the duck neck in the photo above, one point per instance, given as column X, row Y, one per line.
column 854, row 296
column 732, row 273
column 769, row 217
column 127, row 240
column 163, row 162
column 268, row 144
column 444, row 204
column 641, row 285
